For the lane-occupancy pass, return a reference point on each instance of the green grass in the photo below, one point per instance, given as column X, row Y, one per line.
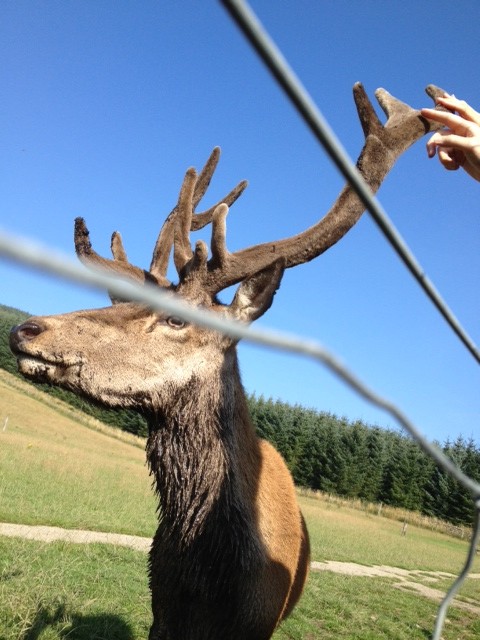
column 99, row 592
column 336, row 607
column 348, row 535
column 80, row 592
column 54, row 470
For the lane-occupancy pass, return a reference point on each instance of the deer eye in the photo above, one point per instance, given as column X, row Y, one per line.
column 175, row 322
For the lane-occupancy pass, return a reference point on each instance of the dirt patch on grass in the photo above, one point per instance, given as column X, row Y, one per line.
column 54, row 534
column 406, row 580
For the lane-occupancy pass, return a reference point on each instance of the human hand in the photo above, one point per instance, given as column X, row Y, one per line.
column 459, row 144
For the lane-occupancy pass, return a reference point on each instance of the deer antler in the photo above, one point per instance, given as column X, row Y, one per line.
column 195, row 222
column 383, row 146
column 165, row 240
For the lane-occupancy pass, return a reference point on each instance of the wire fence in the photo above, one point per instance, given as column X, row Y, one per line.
column 47, row 260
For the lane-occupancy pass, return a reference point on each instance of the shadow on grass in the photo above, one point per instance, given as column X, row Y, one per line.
column 78, row 627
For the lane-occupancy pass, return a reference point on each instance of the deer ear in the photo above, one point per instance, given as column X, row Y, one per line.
column 255, row 295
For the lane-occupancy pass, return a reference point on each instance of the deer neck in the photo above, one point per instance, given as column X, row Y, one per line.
column 196, row 452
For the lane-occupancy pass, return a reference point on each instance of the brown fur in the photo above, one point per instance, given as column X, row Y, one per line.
column 231, row 552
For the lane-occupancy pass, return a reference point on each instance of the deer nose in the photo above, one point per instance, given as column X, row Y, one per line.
column 24, row 332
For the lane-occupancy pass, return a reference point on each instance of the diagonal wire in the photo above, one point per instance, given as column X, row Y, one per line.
column 442, row 610
column 271, row 55
column 285, row 76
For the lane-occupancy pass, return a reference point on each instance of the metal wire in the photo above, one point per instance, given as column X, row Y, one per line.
column 47, row 260
column 296, row 92
column 442, row 610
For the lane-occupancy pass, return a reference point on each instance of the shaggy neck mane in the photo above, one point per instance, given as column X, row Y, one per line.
column 193, row 451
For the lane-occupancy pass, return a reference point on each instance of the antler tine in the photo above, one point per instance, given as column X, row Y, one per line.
column 163, row 246
column 200, row 220
column 219, row 233
column 90, row 257
column 392, row 107
column 119, row 265
column 368, row 117
column 166, row 238
column 383, row 145
column 117, row 248
column 182, row 250
column 205, row 176
column 435, row 92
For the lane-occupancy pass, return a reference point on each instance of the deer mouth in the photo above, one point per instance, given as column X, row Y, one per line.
column 34, row 368
column 40, row 369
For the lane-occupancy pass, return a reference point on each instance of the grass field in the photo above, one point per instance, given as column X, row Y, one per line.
column 56, row 471
column 59, row 468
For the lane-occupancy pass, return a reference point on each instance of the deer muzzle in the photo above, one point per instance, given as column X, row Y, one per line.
column 40, row 362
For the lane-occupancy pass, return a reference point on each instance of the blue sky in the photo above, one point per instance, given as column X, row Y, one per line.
column 105, row 104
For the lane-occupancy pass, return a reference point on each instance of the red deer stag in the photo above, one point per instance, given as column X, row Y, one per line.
column 231, row 553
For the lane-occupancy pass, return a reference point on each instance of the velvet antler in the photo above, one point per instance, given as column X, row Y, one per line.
column 383, row 146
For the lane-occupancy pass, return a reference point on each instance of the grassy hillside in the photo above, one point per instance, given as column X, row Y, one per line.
column 63, row 468
column 58, row 467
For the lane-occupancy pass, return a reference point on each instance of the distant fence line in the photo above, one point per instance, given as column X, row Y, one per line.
column 393, row 513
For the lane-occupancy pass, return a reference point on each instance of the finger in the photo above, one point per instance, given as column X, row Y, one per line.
column 456, row 123
column 431, row 147
column 447, row 138
column 461, row 107
column 449, row 159
column 452, row 120
column 434, row 142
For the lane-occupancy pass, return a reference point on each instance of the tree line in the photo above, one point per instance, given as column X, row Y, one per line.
column 356, row 460
column 322, row 451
